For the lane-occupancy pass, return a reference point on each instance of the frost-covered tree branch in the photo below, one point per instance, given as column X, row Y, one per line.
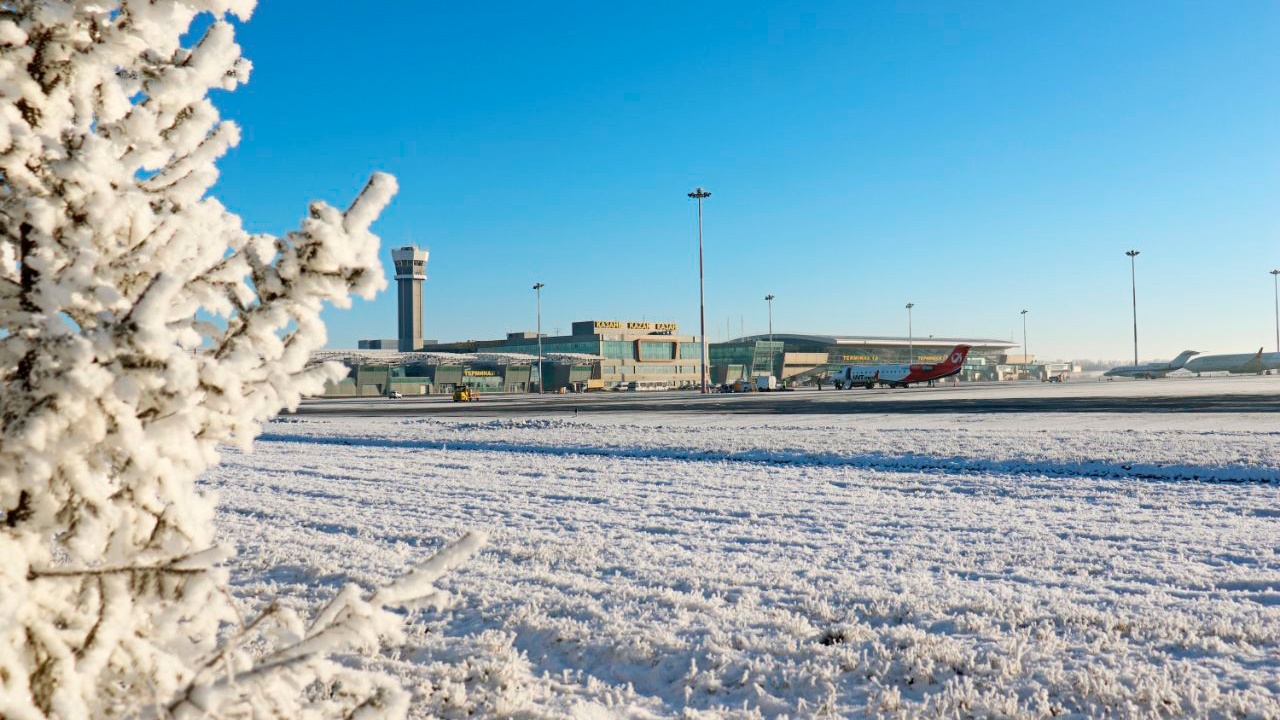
column 234, row 683
column 140, row 328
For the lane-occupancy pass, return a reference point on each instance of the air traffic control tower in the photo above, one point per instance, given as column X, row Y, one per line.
column 411, row 271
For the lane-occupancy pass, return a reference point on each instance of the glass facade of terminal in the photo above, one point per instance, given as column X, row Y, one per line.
column 802, row 356
column 422, row 378
column 746, row 359
column 923, row 350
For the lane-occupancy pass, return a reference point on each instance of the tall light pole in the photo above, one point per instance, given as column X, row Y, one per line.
column 1133, row 280
column 769, row 299
column 1276, row 282
column 911, row 344
column 699, row 194
column 537, row 289
column 1026, row 354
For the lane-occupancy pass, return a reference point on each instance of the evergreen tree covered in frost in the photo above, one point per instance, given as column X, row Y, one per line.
column 140, row 327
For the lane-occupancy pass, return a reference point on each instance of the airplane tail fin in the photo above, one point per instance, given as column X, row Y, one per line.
column 957, row 356
column 1258, row 355
column 1182, row 359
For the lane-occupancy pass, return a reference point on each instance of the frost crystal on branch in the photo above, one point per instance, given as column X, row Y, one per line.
column 140, row 327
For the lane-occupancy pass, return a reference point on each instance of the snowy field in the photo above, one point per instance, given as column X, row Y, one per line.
column 685, row 564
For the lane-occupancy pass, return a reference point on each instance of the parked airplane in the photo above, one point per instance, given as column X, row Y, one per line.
column 1239, row 364
column 869, row 376
column 1151, row 370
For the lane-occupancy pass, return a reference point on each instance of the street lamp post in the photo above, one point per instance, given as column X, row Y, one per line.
column 1276, row 282
column 537, row 289
column 911, row 344
column 769, row 299
column 1133, row 280
column 699, row 194
column 1026, row 354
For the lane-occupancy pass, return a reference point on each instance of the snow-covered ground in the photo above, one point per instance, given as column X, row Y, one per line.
column 650, row 565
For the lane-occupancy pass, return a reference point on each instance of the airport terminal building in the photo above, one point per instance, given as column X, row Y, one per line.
column 597, row 355
column 638, row 355
column 653, row 355
column 788, row 356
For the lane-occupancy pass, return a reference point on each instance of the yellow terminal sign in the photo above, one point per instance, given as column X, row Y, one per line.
column 633, row 325
column 479, row 373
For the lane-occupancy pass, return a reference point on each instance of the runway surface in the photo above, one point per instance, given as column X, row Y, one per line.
column 1251, row 394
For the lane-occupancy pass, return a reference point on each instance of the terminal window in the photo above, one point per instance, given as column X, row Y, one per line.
column 657, row 350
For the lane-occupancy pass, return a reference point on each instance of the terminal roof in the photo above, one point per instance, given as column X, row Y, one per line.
column 859, row 340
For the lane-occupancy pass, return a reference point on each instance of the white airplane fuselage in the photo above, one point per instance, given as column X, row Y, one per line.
column 1236, row 364
column 1151, row 370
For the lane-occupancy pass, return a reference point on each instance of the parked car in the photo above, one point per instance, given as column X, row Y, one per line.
column 395, row 395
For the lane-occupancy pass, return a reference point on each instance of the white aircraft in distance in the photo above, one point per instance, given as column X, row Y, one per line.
column 1151, row 370
column 868, row 376
column 1239, row 364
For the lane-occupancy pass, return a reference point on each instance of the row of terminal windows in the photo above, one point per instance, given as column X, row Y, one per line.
column 612, row 349
column 657, row 351
column 649, row 369
column 620, row 349
column 585, row 348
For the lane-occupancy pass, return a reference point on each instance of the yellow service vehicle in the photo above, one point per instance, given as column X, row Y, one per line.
column 465, row 394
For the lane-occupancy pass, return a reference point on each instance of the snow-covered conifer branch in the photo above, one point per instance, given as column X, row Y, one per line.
column 140, row 328
column 301, row 654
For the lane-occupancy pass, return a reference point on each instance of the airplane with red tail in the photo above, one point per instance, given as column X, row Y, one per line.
column 902, row 375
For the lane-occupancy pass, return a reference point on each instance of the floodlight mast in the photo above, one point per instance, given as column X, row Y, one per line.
column 537, row 289
column 699, row 195
column 769, row 299
column 1276, row 282
column 911, row 344
column 1026, row 353
column 1133, row 280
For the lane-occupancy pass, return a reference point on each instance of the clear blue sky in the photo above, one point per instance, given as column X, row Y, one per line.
column 975, row 159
